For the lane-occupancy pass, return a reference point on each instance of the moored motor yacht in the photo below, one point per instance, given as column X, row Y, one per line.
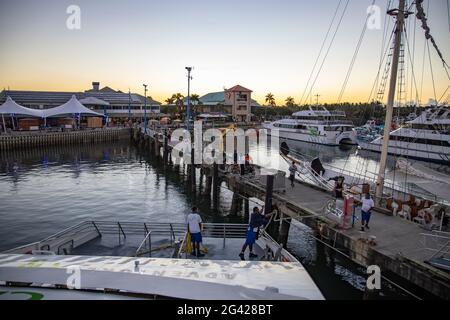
column 426, row 138
column 315, row 126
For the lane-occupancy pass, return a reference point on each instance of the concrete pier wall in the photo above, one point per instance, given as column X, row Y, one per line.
column 40, row 139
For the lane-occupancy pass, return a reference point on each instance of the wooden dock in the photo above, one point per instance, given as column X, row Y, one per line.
column 397, row 247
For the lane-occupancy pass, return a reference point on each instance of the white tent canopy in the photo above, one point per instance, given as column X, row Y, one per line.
column 73, row 106
column 93, row 101
column 10, row 107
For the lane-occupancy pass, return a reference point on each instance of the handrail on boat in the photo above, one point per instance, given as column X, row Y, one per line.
column 148, row 236
column 96, row 228
column 71, row 242
column 183, row 242
column 120, row 228
column 64, row 231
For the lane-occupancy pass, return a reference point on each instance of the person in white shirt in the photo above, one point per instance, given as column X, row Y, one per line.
column 367, row 205
column 194, row 222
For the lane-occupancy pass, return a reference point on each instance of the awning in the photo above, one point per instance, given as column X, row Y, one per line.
column 10, row 107
column 73, row 106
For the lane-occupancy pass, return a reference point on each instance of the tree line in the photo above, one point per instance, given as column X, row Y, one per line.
column 359, row 113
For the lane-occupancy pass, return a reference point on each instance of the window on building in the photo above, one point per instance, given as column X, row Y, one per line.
column 242, row 97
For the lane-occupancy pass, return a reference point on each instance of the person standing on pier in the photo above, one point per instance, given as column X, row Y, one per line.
column 194, row 222
column 339, row 188
column 292, row 171
column 257, row 219
column 367, row 205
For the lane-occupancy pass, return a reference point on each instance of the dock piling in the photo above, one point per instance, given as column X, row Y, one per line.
column 215, row 185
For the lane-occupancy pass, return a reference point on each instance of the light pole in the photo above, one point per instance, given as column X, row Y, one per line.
column 145, row 108
column 129, row 104
column 188, row 107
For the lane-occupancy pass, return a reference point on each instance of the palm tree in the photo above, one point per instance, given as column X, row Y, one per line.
column 195, row 100
column 290, row 102
column 270, row 99
column 179, row 101
column 170, row 100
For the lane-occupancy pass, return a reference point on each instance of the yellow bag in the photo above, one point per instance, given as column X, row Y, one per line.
column 188, row 244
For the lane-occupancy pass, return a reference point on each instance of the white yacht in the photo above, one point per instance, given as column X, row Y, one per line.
column 144, row 260
column 315, row 126
column 427, row 137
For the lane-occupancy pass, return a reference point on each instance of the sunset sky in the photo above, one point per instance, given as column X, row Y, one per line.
column 264, row 45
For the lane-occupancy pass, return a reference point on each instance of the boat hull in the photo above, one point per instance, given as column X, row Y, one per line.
column 348, row 138
column 409, row 152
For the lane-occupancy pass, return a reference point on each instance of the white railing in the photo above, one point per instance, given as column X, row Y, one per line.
column 149, row 248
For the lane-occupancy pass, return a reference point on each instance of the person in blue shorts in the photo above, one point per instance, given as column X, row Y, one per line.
column 257, row 219
column 367, row 206
column 194, row 222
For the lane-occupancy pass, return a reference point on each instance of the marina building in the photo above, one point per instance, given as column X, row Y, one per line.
column 236, row 102
column 113, row 103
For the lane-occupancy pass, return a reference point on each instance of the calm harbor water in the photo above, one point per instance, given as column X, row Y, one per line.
column 43, row 191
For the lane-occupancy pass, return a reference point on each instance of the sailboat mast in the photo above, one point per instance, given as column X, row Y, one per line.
column 400, row 13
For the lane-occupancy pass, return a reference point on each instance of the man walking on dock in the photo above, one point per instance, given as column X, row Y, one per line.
column 367, row 205
column 195, row 229
column 257, row 220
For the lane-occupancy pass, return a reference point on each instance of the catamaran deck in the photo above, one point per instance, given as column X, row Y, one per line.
column 161, row 248
column 151, row 259
column 177, row 278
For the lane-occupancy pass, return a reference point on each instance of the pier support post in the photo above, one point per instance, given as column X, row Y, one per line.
column 208, row 185
column 215, row 185
column 236, row 203
column 192, row 169
column 208, row 180
column 268, row 200
column 269, row 194
column 166, row 148
column 200, row 182
column 157, row 146
column 246, row 208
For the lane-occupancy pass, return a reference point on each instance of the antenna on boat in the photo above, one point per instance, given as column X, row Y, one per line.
column 317, row 99
column 400, row 14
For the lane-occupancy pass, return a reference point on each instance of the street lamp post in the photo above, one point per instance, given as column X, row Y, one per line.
column 129, row 105
column 188, row 107
column 145, row 108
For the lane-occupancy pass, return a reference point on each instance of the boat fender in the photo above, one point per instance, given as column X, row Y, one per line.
column 428, row 217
